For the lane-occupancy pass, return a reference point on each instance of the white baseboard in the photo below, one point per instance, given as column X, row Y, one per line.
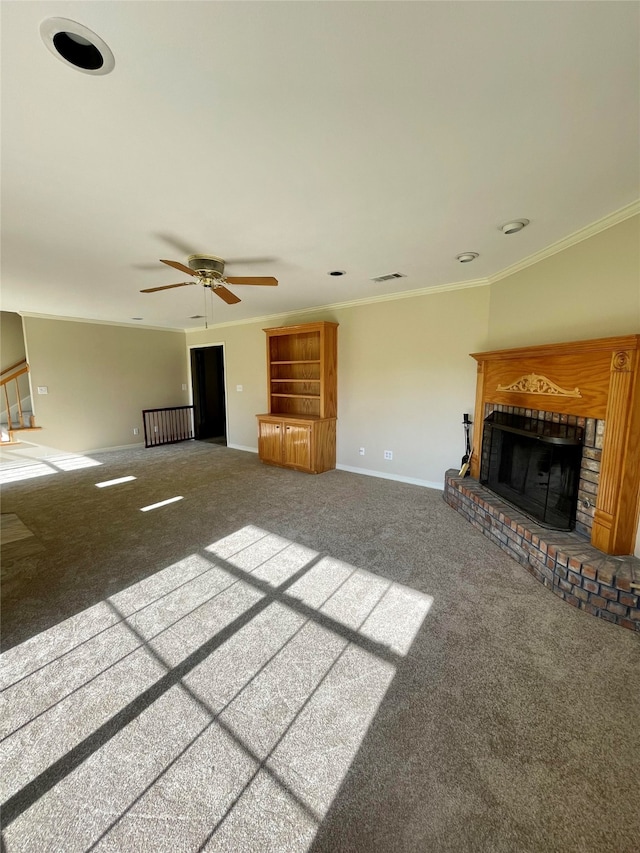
column 413, row 481
column 107, row 449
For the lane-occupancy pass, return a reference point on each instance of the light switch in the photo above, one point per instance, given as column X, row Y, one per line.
column 43, row 389
column 239, row 388
column 184, row 386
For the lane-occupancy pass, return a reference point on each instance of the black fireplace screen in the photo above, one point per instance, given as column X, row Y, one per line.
column 534, row 465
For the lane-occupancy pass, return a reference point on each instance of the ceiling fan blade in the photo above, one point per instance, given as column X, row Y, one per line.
column 257, row 279
column 167, row 286
column 175, row 242
column 226, row 295
column 267, row 259
column 178, row 266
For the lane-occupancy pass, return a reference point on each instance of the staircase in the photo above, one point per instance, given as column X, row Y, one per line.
column 15, row 403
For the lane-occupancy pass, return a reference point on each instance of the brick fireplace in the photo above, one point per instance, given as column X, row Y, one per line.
column 594, row 385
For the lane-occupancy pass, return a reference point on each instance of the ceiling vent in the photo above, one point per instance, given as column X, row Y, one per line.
column 389, row 276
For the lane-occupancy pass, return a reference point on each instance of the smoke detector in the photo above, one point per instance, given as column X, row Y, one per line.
column 467, row 257
column 514, row 226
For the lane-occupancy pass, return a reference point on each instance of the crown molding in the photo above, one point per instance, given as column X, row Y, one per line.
column 89, row 321
column 612, row 219
column 354, row 303
column 591, row 230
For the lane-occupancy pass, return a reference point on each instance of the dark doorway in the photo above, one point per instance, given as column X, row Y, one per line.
column 209, row 405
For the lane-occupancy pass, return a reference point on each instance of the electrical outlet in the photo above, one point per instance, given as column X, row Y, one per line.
column 136, row 431
column 239, row 388
column 184, row 386
column 362, row 451
column 388, row 454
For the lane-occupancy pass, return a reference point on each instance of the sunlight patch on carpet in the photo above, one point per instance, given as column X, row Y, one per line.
column 72, row 461
column 20, row 468
column 115, row 482
column 161, row 503
column 217, row 704
column 12, row 529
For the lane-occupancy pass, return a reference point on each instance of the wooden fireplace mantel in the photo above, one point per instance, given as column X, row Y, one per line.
column 591, row 379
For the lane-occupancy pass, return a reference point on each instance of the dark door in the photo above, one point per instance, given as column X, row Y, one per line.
column 209, row 408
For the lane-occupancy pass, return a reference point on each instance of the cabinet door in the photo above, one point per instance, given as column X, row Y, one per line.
column 270, row 441
column 297, row 445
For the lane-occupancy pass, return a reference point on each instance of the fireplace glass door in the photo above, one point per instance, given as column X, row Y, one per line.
column 534, row 465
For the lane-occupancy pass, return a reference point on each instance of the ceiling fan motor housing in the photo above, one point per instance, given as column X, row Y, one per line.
column 207, row 265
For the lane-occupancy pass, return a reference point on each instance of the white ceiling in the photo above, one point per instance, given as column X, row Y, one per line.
column 372, row 137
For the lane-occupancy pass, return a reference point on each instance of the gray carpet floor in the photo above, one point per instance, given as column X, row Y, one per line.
column 281, row 662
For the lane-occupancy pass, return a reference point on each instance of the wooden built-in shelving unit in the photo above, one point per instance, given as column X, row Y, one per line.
column 299, row 429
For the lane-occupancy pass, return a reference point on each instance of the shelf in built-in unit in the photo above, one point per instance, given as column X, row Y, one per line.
column 299, row 361
column 291, row 381
column 299, row 396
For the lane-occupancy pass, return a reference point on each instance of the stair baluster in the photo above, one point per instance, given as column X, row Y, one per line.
column 10, row 383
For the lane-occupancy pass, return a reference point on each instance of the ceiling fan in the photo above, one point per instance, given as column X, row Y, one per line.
column 209, row 272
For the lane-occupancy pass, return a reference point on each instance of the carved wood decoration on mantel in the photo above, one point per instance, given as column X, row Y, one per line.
column 535, row 383
column 605, row 376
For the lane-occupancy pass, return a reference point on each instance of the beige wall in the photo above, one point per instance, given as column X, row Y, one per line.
column 12, row 338
column 591, row 290
column 100, row 377
column 404, row 379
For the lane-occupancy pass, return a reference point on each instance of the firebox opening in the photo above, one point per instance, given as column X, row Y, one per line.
column 535, row 465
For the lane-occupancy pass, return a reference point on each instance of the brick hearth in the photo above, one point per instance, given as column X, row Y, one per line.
column 566, row 563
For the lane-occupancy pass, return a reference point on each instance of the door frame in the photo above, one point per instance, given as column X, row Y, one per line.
column 224, row 380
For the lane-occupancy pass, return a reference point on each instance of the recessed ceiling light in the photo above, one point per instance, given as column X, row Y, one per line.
column 337, row 272
column 137, row 318
column 77, row 46
column 197, row 317
column 467, row 257
column 514, row 226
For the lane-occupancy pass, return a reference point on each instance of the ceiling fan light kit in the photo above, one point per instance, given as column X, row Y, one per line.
column 206, row 264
